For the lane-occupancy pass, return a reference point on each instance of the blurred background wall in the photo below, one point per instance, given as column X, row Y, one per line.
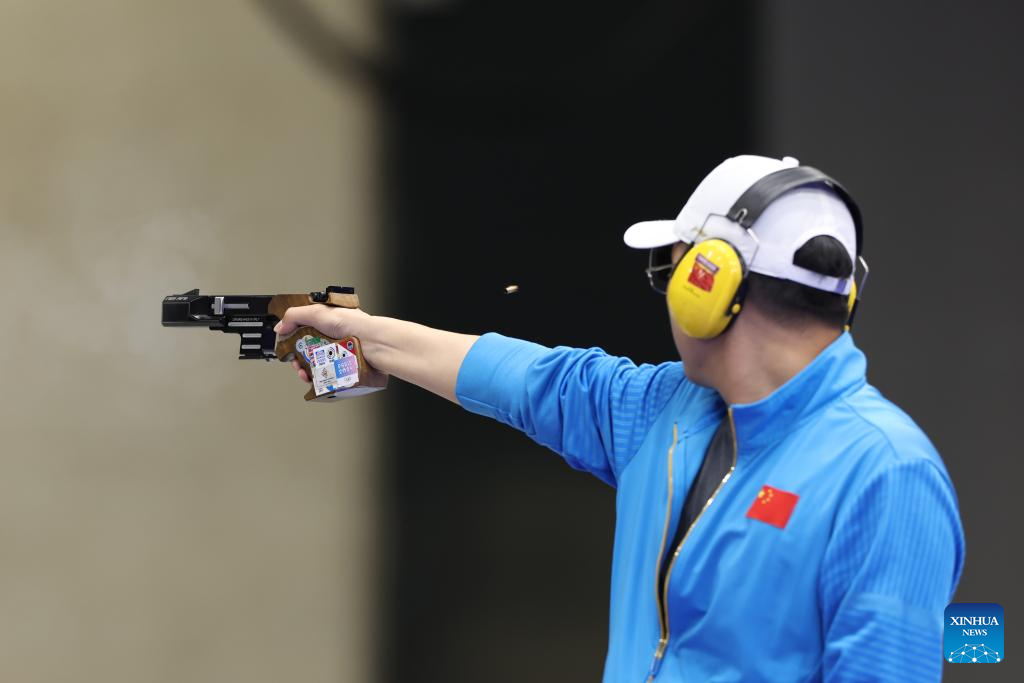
column 523, row 165
column 170, row 514
column 167, row 512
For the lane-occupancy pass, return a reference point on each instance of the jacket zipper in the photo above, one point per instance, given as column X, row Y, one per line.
column 662, row 596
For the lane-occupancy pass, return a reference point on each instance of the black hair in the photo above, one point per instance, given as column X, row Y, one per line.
column 790, row 303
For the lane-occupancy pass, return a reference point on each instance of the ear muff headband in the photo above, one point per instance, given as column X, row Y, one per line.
column 706, row 290
column 752, row 203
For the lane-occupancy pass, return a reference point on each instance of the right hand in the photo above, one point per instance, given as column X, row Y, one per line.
column 333, row 321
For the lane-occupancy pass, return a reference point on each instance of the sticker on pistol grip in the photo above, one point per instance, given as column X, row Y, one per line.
column 307, row 346
column 333, row 368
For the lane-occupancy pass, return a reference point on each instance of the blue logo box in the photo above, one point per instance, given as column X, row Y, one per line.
column 973, row 633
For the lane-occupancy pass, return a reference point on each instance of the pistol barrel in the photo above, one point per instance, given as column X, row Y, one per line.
column 245, row 315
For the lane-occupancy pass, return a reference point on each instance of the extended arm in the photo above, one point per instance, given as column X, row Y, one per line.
column 591, row 408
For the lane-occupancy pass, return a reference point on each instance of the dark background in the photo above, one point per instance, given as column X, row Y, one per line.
column 523, row 138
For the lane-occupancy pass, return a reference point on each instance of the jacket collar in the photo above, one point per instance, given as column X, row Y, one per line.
column 839, row 369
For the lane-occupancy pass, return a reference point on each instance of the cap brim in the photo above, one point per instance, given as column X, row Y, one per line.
column 650, row 234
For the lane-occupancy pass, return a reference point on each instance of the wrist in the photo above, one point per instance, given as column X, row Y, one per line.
column 366, row 328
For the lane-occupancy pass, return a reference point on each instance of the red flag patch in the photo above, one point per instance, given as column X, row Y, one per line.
column 703, row 273
column 773, row 506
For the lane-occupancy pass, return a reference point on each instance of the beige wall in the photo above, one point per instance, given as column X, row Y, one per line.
column 169, row 513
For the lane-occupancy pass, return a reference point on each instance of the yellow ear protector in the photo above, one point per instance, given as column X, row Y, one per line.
column 706, row 290
column 707, row 287
column 851, row 306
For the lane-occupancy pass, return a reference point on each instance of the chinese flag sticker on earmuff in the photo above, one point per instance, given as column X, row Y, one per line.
column 702, row 294
column 703, row 273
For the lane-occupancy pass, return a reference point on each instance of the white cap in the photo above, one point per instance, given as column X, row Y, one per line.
column 782, row 228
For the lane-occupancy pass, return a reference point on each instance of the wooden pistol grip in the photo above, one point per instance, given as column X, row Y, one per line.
column 370, row 379
column 282, row 302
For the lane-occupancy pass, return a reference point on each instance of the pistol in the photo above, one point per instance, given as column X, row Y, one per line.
column 336, row 366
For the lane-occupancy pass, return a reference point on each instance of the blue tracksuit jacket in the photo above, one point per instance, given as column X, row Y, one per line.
column 851, row 588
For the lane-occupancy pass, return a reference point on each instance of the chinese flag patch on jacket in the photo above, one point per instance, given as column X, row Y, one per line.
column 773, row 506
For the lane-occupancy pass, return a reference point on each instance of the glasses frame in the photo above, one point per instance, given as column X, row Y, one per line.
column 652, row 270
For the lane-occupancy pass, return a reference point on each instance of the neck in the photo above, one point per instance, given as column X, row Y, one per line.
column 759, row 356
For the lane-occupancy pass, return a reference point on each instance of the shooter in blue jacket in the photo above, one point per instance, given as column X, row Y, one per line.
column 777, row 518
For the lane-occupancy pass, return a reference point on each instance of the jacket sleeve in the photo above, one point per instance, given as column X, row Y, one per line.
column 889, row 571
column 591, row 408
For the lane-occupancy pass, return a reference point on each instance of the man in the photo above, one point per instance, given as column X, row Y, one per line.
column 777, row 518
